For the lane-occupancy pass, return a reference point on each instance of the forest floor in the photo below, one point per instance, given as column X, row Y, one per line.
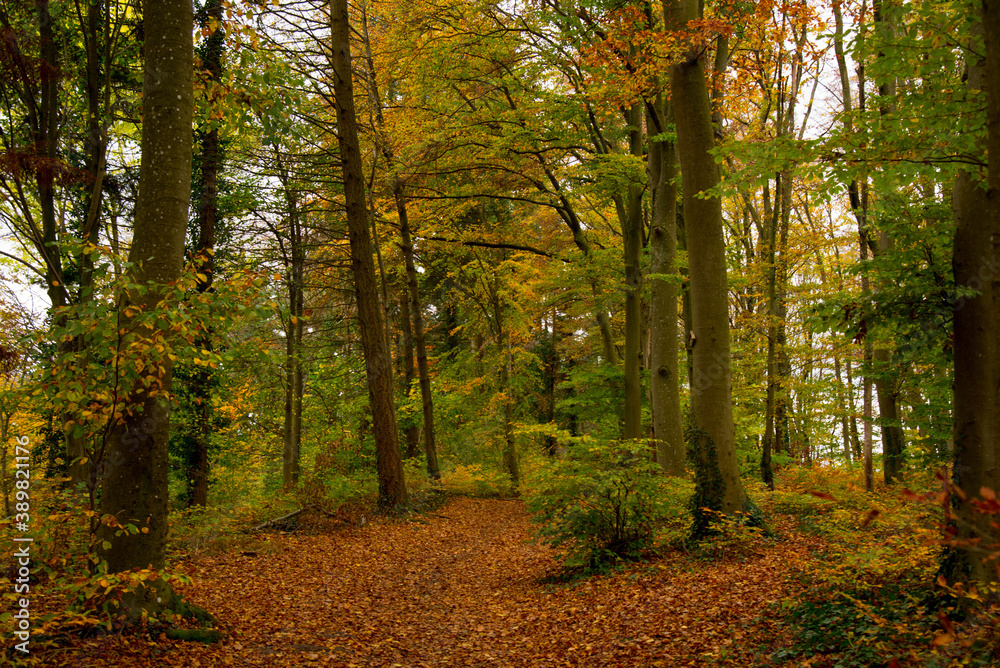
column 463, row 586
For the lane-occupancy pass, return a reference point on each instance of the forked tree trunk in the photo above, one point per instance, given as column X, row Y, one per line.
column 378, row 362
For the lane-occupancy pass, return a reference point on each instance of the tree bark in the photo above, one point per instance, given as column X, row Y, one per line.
column 423, row 369
column 665, row 380
column 294, row 383
column 713, row 432
column 136, row 466
column 406, row 245
column 632, row 239
column 409, row 369
column 208, row 213
column 977, row 319
column 378, row 362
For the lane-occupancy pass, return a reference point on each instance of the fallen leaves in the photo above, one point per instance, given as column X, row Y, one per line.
column 461, row 590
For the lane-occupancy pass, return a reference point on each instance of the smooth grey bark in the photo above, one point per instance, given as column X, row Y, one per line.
column 664, row 346
column 712, row 428
column 135, row 464
column 378, row 361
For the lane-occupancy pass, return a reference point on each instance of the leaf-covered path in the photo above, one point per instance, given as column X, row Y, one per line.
column 461, row 587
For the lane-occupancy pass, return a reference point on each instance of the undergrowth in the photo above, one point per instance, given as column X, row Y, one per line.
column 871, row 594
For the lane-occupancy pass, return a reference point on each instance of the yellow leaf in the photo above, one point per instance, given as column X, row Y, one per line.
column 943, row 639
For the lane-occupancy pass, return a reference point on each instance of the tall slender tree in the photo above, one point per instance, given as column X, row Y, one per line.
column 378, row 361
column 207, row 217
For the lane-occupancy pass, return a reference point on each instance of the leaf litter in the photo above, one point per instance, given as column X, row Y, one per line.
column 462, row 587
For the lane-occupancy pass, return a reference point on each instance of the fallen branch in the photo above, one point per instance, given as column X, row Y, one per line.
column 293, row 514
column 280, row 519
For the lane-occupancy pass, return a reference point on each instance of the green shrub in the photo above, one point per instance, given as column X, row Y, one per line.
column 601, row 503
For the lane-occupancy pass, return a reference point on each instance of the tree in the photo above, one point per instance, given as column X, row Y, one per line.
column 135, row 472
column 378, row 362
column 977, row 317
column 208, row 213
column 712, row 433
column 665, row 382
column 412, row 307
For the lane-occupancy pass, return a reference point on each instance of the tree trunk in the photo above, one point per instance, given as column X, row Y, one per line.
column 842, row 409
column 208, row 213
column 423, row 370
column 632, row 240
column 510, row 462
column 712, row 429
column 977, row 320
column 772, row 427
column 665, row 380
column 406, row 244
column 294, row 385
column 136, row 466
column 378, row 362
column 853, row 422
column 409, row 370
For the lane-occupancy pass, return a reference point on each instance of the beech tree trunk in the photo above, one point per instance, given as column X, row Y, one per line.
column 718, row 484
column 977, row 320
column 135, row 466
column 665, row 380
column 378, row 362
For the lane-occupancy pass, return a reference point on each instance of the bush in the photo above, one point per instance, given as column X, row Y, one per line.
column 475, row 480
column 601, row 503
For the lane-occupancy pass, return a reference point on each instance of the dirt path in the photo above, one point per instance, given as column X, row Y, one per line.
column 461, row 588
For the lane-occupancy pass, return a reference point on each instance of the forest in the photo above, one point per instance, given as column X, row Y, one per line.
column 500, row 332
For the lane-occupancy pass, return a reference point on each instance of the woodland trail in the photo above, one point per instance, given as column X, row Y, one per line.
column 461, row 587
